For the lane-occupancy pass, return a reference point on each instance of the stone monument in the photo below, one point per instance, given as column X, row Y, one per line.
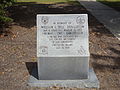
column 63, row 52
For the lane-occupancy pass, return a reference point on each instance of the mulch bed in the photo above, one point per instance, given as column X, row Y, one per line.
column 18, row 48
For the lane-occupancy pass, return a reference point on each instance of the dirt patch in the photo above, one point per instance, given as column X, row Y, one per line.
column 19, row 48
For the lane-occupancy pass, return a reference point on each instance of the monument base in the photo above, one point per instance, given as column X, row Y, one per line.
column 91, row 82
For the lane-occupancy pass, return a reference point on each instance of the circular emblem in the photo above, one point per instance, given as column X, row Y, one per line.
column 44, row 19
column 80, row 20
column 43, row 50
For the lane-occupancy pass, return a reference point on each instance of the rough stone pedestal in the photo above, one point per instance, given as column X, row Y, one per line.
column 91, row 82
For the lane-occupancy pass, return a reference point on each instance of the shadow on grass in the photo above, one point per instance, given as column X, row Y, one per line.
column 24, row 13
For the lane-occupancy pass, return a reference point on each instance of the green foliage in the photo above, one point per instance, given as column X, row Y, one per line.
column 5, row 3
column 4, row 19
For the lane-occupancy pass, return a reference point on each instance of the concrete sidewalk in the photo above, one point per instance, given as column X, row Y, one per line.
column 109, row 17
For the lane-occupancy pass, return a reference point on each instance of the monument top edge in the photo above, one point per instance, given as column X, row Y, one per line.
column 60, row 14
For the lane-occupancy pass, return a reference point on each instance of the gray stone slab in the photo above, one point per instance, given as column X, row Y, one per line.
column 91, row 82
column 109, row 17
column 62, row 68
column 62, row 46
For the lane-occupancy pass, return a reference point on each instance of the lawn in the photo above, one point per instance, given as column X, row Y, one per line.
column 112, row 3
column 110, row 0
column 47, row 1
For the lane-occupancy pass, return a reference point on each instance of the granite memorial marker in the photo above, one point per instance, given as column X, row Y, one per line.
column 63, row 50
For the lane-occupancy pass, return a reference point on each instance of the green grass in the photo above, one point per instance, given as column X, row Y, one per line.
column 110, row 0
column 47, row 1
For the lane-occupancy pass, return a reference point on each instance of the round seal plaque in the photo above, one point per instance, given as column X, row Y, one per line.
column 80, row 20
column 44, row 19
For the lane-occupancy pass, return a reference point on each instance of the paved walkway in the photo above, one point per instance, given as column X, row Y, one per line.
column 109, row 17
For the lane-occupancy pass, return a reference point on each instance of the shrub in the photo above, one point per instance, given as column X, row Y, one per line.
column 4, row 19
